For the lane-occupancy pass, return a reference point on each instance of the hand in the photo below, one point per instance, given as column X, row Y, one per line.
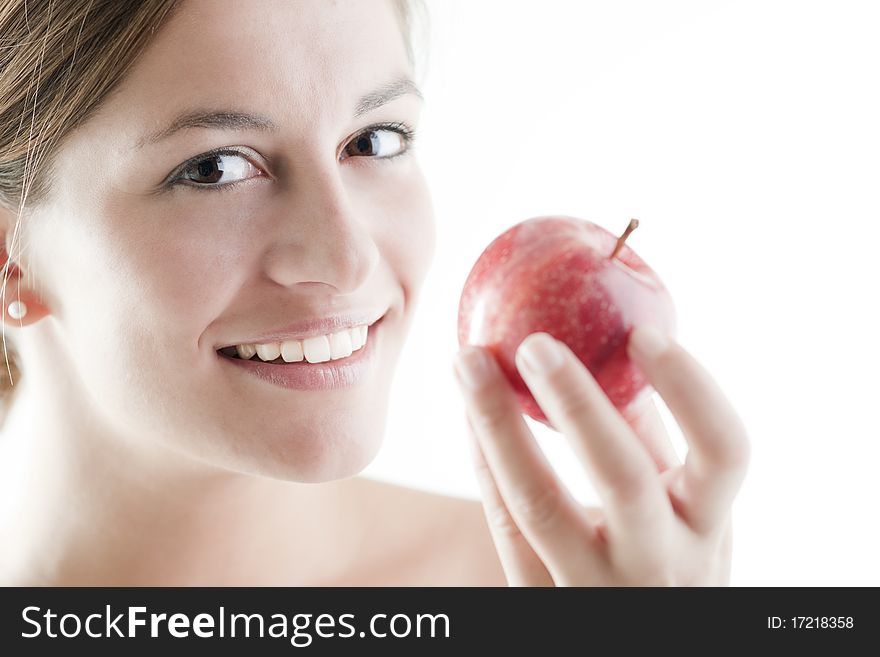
column 661, row 522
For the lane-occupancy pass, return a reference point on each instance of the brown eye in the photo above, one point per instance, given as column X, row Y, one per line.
column 218, row 169
column 377, row 143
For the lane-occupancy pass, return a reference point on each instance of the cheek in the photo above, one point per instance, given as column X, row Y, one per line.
column 197, row 277
column 136, row 307
column 176, row 282
column 410, row 239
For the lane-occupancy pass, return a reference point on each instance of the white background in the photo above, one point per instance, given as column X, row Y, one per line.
column 745, row 137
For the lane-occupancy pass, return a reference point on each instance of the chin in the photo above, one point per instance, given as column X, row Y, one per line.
column 307, row 436
column 335, row 451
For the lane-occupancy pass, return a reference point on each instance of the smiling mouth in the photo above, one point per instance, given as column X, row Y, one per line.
column 329, row 348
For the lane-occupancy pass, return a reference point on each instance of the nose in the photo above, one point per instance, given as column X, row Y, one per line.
column 321, row 238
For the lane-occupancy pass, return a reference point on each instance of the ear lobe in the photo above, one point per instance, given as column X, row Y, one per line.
column 36, row 309
column 11, row 290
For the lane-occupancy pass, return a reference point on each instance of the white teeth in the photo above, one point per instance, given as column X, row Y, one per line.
column 317, row 350
column 356, row 342
column 292, row 351
column 245, row 350
column 269, row 351
column 340, row 344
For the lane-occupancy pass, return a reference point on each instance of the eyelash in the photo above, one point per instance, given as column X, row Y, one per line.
column 408, row 134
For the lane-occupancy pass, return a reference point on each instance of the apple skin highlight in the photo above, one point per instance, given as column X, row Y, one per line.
column 555, row 274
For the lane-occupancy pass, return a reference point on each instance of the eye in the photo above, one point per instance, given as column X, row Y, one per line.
column 381, row 142
column 223, row 168
column 217, row 169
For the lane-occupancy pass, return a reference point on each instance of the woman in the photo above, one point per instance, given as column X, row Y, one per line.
column 216, row 231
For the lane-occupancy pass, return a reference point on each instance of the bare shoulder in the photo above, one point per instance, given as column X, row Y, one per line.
column 445, row 538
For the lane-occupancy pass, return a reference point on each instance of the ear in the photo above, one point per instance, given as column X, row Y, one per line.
column 13, row 285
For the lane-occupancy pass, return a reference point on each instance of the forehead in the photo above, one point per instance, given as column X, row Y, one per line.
column 303, row 61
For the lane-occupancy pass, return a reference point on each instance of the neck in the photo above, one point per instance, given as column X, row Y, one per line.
column 79, row 506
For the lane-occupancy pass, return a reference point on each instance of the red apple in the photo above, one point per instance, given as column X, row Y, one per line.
column 574, row 280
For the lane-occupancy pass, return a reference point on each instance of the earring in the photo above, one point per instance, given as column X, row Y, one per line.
column 17, row 309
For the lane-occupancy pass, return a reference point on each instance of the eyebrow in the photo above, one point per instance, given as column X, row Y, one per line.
column 231, row 120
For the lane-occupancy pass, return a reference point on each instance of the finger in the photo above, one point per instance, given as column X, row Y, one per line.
column 621, row 468
column 718, row 446
column 644, row 419
column 540, row 505
column 520, row 563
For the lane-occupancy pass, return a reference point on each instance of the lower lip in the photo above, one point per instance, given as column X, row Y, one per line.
column 303, row 375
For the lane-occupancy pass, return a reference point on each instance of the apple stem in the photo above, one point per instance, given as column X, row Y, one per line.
column 633, row 224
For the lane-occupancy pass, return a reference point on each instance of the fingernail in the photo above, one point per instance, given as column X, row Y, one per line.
column 473, row 367
column 647, row 342
column 541, row 353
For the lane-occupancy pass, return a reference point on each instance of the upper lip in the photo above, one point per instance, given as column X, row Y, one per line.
column 311, row 327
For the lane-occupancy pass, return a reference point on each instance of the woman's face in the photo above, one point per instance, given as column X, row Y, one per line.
column 149, row 268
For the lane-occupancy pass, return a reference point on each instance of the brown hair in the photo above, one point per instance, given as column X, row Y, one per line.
column 60, row 60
